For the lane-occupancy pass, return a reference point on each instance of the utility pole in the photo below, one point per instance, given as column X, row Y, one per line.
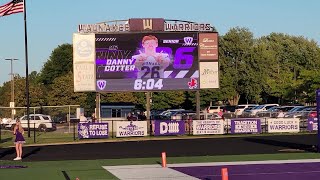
column 12, row 104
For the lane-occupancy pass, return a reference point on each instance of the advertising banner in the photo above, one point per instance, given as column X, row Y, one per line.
column 283, row 125
column 312, row 124
column 84, row 62
column 147, row 61
column 92, row 130
column 131, row 128
column 209, row 75
column 167, row 127
column 245, row 126
column 83, row 47
column 208, row 46
column 208, row 127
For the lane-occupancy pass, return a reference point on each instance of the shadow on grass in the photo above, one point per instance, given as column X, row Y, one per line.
column 290, row 145
column 32, row 152
column 7, row 151
column 65, row 175
column 6, row 140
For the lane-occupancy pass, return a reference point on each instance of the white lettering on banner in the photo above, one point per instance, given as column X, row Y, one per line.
column 97, row 126
column 245, row 130
column 245, row 122
column 172, row 127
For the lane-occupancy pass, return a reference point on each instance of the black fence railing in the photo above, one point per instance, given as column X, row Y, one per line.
column 124, row 128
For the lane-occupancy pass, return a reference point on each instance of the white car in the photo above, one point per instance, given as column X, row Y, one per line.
column 261, row 108
column 213, row 109
column 39, row 121
column 241, row 107
column 5, row 121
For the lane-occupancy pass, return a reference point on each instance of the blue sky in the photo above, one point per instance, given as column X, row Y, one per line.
column 52, row 22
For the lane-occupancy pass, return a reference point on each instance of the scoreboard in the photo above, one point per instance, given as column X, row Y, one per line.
column 145, row 61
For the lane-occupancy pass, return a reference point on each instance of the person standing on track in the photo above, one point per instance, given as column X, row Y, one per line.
column 19, row 139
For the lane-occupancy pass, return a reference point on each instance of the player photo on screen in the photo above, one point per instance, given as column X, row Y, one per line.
column 147, row 61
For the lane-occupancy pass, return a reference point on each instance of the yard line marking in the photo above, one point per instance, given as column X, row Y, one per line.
column 244, row 163
column 132, row 172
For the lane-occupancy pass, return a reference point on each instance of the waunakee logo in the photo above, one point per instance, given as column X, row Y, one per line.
column 188, row 40
column 84, row 48
column 101, row 84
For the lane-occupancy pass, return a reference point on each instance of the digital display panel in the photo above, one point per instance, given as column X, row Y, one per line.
column 147, row 61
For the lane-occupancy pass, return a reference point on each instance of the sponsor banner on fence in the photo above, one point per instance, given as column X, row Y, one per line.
column 167, row 127
column 92, row 130
column 208, row 127
column 283, row 125
column 312, row 124
column 131, row 128
column 245, row 126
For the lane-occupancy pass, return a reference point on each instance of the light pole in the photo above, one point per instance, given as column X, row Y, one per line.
column 12, row 87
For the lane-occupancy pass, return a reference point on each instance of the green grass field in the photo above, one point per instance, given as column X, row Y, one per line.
column 92, row 169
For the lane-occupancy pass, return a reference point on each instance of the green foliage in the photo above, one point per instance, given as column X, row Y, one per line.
column 170, row 99
column 58, row 64
column 119, row 97
column 62, row 92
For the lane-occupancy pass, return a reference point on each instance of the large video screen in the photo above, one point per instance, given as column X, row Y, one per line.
column 147, row 61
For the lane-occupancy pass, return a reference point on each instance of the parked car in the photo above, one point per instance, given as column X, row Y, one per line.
column 38, row 121
column 213, row 109
column 5, row 121
column 299, row 112
column 228, row 108
column 240, row 108
column 263, row 107
column 59, row 120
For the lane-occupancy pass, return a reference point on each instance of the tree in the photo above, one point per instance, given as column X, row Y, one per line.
column 62, row 92
column 119, row 97
column 235, row 51
column 58, row 64
column 169, row 99
column 289, row 55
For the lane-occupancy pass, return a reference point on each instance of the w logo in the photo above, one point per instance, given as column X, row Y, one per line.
column 188, row 40
column 147, row 24
column 101, row 84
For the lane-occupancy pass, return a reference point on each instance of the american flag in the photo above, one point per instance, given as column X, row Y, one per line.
column 15, row 6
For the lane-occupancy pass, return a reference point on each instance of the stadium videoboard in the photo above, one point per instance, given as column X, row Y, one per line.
column 147, row 61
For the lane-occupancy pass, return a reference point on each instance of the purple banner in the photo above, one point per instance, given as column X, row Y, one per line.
column 167, row 127
column 245, row 126
column 92, row 130
column 312, row 124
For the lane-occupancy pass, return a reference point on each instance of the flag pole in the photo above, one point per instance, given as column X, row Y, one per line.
column 26, row 58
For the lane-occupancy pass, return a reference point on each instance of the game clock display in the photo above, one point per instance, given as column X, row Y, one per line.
column 147, row 61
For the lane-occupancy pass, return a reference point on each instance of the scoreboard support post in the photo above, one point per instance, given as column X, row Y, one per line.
column 198, row 104
column 97, row 113
column 148, row 108
column 148, row 105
